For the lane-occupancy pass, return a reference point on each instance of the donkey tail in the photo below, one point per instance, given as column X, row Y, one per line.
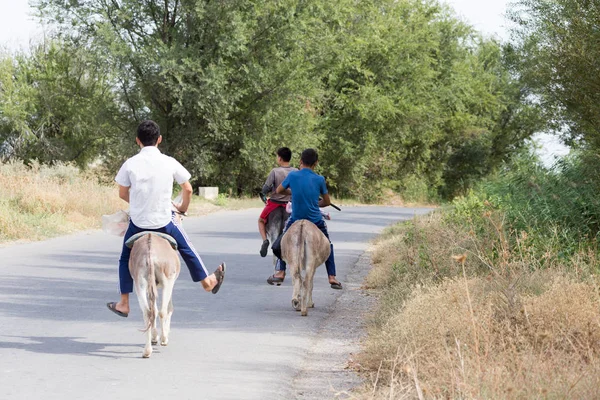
column 302, row 247
column 152, row 291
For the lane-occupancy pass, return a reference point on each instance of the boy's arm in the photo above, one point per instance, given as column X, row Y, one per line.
column 282, row 190
column 268, row 186
column 325, row 201
column 124, row 182
column 182, row 177
column 124, row 193
column 186, row 197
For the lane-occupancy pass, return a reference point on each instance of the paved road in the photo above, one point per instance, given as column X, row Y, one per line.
column 58, row 340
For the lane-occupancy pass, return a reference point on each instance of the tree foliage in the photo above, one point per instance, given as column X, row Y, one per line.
column 226, row 81
column 393, row 94
column 55, row 105
column 424, row 97
column 557, row 45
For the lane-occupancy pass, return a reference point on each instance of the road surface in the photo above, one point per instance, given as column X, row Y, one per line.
column 59, row 341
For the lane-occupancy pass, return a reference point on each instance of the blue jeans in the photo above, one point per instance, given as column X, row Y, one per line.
column 186, row 249
column 329, row 264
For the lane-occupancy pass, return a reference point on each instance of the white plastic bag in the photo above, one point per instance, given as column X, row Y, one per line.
column 115, row 224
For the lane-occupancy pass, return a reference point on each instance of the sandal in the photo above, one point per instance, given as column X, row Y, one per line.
column 336, row 285
column 112, row 306
column 220, row 275
column 274, row 280
column 264, row 248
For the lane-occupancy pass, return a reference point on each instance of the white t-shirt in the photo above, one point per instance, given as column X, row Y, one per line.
column 149, row 176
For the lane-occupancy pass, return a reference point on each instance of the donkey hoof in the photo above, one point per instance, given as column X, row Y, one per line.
column 164, row 342
column 304, row 313
column 147, row 354
column 154, row 342
column 296, row 304
column 312, row 305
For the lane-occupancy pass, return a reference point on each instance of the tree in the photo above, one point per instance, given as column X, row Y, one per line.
column 419, row 96
column 54, row 105
column 389, row 92
column 557, row 43
column 226, row 81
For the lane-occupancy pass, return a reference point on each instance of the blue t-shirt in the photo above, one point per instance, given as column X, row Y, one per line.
column 306, row 186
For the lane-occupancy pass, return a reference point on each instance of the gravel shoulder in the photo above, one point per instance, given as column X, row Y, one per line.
column 325, row 373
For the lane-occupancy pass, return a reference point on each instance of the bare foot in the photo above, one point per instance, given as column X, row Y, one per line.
column 277, row 278
column 124, row 308
column 118, row 308
column 211, row 281
column 334, row 283
column 332, row 280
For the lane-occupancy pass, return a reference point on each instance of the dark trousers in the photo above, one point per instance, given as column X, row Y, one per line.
column 186, row 249
column 281, row 265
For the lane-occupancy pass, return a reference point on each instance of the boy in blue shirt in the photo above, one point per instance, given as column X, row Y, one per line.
column 306, row 187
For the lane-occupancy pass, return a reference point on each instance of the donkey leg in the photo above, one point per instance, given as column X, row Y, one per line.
column 168, row 320
column 154, row 333
column 303, row 310
column 148, row 348
column 166, row 310
column 151, row 334
column 141, row 290
column 307, row 289
column 154, row 330
column 310, row 275
column 297, row 283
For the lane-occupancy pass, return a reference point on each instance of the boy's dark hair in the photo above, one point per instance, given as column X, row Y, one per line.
column 309, row 157
column 148, row 132
column 285, row 154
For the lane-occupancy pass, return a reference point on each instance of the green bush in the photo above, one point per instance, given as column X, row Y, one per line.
column 558, row 205
column 466, row 208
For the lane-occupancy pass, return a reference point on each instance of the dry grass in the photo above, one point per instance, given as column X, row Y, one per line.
column 41, row 201
column 488, row 323
column 200, row 206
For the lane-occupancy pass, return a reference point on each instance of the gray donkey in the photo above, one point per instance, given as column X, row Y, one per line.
column 274, row 226
column 304, row 248
column 154, row 263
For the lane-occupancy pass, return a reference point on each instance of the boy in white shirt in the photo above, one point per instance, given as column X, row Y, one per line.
column 146, row 183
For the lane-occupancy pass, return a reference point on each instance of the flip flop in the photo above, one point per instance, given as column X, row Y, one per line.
column 220, row 275
column 112, row 306
column 264, row 248
column 336, row 285
column 273, row 280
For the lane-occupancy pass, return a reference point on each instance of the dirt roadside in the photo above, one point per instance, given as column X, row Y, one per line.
column 325, row 373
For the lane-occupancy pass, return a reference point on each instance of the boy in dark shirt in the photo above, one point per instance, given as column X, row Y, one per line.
column 306, row 187
column 276, row 176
